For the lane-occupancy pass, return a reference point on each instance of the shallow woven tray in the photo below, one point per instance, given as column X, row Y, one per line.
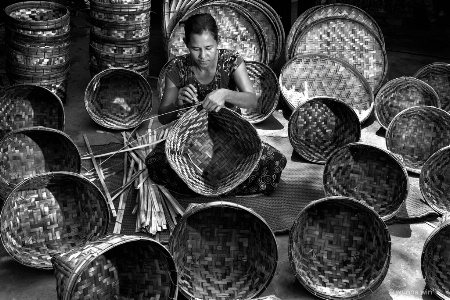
column 213, row 152
column 418, row 132
column 116, row 267
column 437, row 75
column 51, row 213
column 321, row 125
column 369, row 174
column 223, row 251
column 401, row 93
column 339, row 248
column 315, row 75
column 118, row 98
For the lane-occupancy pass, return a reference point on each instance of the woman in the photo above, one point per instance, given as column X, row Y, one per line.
column 210, row 76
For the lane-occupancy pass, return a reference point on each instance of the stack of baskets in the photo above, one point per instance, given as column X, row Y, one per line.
column 38, row 41
column 120, row 35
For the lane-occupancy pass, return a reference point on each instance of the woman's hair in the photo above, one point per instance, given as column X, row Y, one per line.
column 199, row 23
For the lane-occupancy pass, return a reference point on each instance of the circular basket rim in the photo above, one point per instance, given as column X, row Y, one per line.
column 430, row 66
column 63, row 20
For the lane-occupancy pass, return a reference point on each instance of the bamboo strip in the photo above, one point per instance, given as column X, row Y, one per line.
column 172, row 200
column 122, row 203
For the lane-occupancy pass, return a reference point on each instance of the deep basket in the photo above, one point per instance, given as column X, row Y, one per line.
column 437, row 75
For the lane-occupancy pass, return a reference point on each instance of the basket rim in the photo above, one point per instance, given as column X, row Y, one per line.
column 427, row 67
column 48, row 4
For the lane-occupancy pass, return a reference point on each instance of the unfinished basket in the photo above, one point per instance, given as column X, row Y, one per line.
column 339, row 248
column 223, row 251
column 321, row 125
column 418, row 132
column 437, row 75
column 213, row 152
column 116, row 267
column 314, row 75
column 118, row 98
column 49, row 214
column 368, row 174
column 401, row 93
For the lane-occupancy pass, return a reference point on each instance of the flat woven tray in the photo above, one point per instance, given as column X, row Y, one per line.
column 437, row 75
column 339, row 248
column 223, row 251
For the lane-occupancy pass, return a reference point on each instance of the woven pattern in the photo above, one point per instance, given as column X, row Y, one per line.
column 161, row 85
column 401, row 93
column 118, row 98
column 321, row 125
column 37, row 60
column 116, row 267
column 315, row 75
column 339, row 248
column 368, row 174
column 213, row 152
column 223, row 251
column 417, row 133
column 437, row 75
column 50, row 214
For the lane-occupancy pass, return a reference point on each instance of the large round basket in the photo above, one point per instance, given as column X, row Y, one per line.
column 223, row 251
column 368, row 174
column 437, row 75
column 116, row 267
column 49, row 214
column 162, row 78
column 400, row 94
column 418, row 132
column 213, row 152
column 29, row 105
column 315, row 75
column 339, row 248
column 118, row 98
column 321, row 125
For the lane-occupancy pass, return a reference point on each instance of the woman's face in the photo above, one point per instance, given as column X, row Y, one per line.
column 203, row 49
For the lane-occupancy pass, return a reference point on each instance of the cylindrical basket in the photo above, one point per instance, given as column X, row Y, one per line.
column 321, row 125
column 223, row 251
column 368, row 174
column 418, row 132
column 339, row 248
column 437, row 75
column 116, row 267
column 49, row 214
column 401, row 93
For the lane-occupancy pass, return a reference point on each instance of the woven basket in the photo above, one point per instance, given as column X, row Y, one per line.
column 51, row 213
column 368, row 174
column 38, row 60
column 117, row 33
column 223, row 251
column 118, row 98
column 418, row 132
column 119, row 47
column 129, row 15
column 321, row 125
column 213, row 152
column 315, row 75
column 161, row 85
column 401, row 93
column 437, row 75
column 339, row 248
column 116, row 267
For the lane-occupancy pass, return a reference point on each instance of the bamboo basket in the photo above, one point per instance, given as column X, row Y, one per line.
column 339, row 248
column 223, row 251
column 437, row 75
column 162, row 79
column 401, row 93
column 321, row 125
column 213, row 152
column 416, row 133
column 49, row 214
column 369, row 174
column 116, row 267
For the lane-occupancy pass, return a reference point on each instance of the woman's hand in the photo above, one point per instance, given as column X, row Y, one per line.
column 187, row 94
column 215, row 100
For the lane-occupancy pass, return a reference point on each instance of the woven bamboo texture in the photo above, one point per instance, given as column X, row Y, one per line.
column 116, row 267
column 349, row 40
column 434, row 180
column 118, row 98
column 162, row 79
column 213, row 152
column 418, row 132
column 401, row 93
column 339, row 248
column 223, row 251
column 321, row 125
column 315, row 75
column 51, row 213
column 437, row 75
column 368, row 174
column 30, row 105
column 58, row 85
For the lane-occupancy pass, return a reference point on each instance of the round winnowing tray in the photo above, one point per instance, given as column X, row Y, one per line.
column 437, row 75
